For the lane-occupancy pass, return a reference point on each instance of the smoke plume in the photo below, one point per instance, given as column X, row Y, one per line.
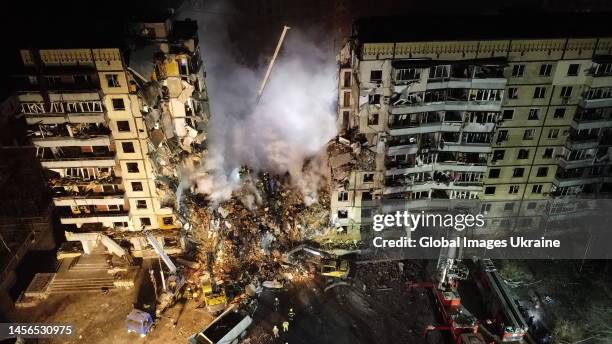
column 285, row 132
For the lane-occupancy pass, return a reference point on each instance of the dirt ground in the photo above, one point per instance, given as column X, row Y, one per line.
column 100, row 318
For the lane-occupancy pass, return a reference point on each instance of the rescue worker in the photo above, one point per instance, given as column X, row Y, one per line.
column 276, row 303
column 189, row 294
column 275, row 331
column 291, row 314
column 285, row 326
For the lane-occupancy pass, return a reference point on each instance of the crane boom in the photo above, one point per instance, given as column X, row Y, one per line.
column 278, row 47
column 160, row 252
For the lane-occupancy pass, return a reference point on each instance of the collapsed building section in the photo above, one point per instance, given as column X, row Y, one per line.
column 114, row 139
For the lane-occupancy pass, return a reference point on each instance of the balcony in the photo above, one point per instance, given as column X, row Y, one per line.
column 66, row 157
column 582, row 141
column 67, row 198
column 58, row 135
column 92, row 216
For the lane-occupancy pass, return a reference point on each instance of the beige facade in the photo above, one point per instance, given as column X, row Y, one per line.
column 516, row 124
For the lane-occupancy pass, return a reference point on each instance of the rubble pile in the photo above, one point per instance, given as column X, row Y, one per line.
column 388, row 274
column 349, row 153
column 241, row 240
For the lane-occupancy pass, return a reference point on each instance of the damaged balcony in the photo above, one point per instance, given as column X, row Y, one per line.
column 83, row 156
column 592, row 118
column 76, row 195
column 58, row 135
column 449, row 99
column 92, row 214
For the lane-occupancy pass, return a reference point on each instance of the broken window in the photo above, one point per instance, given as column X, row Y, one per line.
column 518, row 172
column 373, row 119
column 346, row 100
column 343, row 214
column 141, row 204
column 545, row 69
column 407, row 74
column 572, row 70
column 502, row 135
column 137, row 186
column 514, row 189
column 512, row 92
column 539, row 92
column 553, row 133
column 343, row 196
column 145, row 221
column 537, row 188
column 118, row 104
column 490, row 190
column 376, row 76
column 82, row 80
column 566, row 91
column 559, row 113
column 498, row 154
column 347, row 79
column 132, row 167
column 533, row 114
column 523, row 154
column 112, row 80
column 368, row 177
column 366, row 196
column 437, row 72
column 548, row 153
column 542, row 172
column 485, row 208
column 518, row 70
column 494, row 173
column 127, row 147
column 123, row 126
column 508, row 114
column 374, row 99
column 528, row 134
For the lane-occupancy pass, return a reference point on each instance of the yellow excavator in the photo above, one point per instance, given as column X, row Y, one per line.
column 215, row 299
column 330, row 265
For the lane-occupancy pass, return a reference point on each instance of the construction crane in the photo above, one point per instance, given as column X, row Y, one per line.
column 269, row 70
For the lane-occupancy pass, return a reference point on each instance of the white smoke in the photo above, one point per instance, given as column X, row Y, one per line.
column 289, row 126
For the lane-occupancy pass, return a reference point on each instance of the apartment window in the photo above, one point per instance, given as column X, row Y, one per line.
column 509, row 206
column 113, row 207
column 112, row 80
column 513, row 93
column 346, row 99
column 366, row 196
column 485, row 208
column 559, row 113
column 137, row 186
column 141, row 204
column 545, row 69
column 566, row 91
column 539, row 92
column 490, row 190
column 508, row 114
column 523, row 153
column 528, row 134
column 374, row 99
column 572, row 70
column 502, row 135
column 498, row 154
column 518, row 70
column 533, row 114
column 542, row 172
column 167, row 220
column 531, row 205
column 82, row 79
column 342, row 214
column 123, row 126
column 368, row 178
column 553, row 133
column 118, row 104
column 438, row 72
column 494, row 173
column 514, row 189
column 518, row 172
column 132, row 167
column 127, row 147
column 347, row 79
column 343, row 196
column 145, row 221
column 408, row 74
column 373, row 119
column 537, row 188
column 376, row 76
column 548, row 153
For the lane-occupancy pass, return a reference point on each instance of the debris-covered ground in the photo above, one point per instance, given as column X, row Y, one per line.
column 569, row 300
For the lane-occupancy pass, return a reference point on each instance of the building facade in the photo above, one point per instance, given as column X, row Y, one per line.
column 516, row 124
column 91, row 120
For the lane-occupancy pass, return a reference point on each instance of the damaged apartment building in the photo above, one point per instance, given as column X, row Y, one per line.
column 113, row 138
column 519, row 121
